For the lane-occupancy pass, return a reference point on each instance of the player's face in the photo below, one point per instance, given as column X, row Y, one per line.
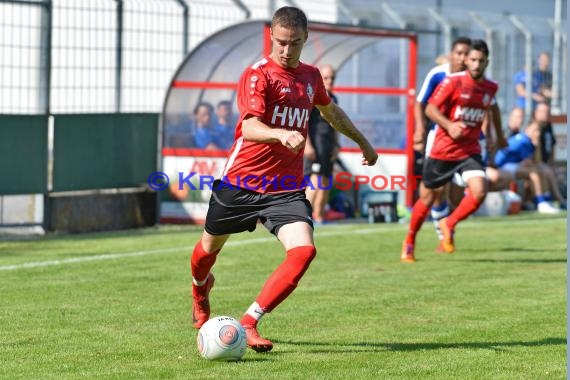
column 458, row 56
column 287, row 45
column 476, row 63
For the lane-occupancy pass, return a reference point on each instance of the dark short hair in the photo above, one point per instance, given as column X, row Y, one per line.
column 290, row 17
column 203, row 104
column 481, row 46
column 224, row 103
column 461, row 41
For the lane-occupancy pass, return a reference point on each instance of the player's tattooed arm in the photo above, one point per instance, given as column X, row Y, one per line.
column 342, row 123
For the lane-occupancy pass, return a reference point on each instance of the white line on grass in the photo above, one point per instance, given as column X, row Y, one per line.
column 110, row 256
column 337, row 231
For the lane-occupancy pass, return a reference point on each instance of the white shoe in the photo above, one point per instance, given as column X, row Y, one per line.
column 547, row 208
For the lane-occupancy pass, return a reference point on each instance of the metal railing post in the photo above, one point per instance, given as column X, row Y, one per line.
column 446, row 29
column 119, row 56
column 488, row 38
column 244, row 8
column 556, row 56
column 528, row 62
column 402, row 24
column 185, row 30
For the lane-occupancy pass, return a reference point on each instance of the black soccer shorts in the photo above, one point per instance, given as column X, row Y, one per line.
column 437, row 173
column 233, row 210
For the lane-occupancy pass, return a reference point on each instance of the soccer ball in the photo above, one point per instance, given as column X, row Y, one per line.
column 222, row 338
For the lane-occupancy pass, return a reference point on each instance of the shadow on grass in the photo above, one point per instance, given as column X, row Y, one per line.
column 376, row 346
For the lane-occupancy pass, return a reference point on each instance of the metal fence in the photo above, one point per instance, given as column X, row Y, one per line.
column 119, row 56
column 62, row 56
column 512, row 48
column 98, row 55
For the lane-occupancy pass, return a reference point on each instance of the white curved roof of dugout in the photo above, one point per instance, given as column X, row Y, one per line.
column 223, row 56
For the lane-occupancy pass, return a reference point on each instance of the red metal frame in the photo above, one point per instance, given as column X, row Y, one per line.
column 194, row 152
column 411, row 96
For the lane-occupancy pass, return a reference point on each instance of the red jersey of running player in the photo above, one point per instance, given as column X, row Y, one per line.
column 460, row 98
column 281, row 98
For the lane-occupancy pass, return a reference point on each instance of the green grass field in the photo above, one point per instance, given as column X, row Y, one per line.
column 117, row 305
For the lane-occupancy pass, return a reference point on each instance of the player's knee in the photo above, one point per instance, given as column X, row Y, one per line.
column 479, row 194
column 303, row 255
column 299, row 259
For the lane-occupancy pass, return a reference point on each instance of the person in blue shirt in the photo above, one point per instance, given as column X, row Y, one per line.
column 518, row 159
column 541, row 83
column 545, row 151
column 203, row 130
column 224, row 128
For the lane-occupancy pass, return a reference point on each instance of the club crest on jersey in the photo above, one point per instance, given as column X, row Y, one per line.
column 486, row 100
column 310, row 92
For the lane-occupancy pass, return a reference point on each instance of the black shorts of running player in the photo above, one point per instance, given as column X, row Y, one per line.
column 233, row 210
column 437, row 173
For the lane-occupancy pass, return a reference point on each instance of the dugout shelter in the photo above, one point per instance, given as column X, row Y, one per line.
column 376, row 80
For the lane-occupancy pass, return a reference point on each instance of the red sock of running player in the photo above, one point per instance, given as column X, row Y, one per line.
column 419, row 213
column 468, row 205
column 283, row 280
column 201, row 262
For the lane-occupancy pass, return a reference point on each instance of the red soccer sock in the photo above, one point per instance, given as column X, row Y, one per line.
column 201, row 262
column 285, row 278
column 468, row 205
column 419, row 213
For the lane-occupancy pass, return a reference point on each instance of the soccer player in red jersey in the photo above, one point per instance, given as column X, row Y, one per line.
column 458, row 107
column 264, row 169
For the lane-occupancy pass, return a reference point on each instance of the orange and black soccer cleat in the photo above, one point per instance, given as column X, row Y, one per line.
column 447, row 241
column 407, row 255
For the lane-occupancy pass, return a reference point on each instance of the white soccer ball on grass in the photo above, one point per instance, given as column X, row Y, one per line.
column 222, row 338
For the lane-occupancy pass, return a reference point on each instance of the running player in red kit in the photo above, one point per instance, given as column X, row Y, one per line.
column 265, row 167
column 458, row 108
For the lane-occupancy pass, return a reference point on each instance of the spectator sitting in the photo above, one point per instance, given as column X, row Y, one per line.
column 224, row 128
column 545, row 151
column 516, row 120
column 517, row 158
column 203, row 131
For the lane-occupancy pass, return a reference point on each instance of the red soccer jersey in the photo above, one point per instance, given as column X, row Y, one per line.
column 460, row 98
column 282, row 98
